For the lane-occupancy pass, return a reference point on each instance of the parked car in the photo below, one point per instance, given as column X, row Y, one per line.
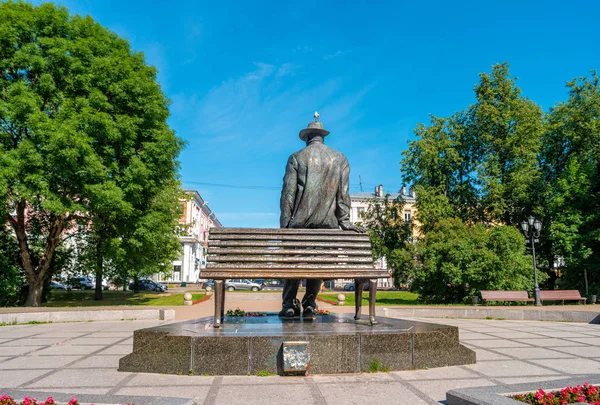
column 350, row 286
column 82, row 283
column 57, row 286
column 149, row 285
column 235, row 284
column 242, row 284
column 272, row 284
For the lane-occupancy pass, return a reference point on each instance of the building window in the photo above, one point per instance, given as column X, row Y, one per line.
column 176, row 273
column 407, row 216
column 359, row 212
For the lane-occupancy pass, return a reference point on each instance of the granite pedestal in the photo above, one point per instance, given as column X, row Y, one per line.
column 252, row 345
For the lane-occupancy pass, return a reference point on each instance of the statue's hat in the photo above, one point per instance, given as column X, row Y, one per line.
column 314, row 127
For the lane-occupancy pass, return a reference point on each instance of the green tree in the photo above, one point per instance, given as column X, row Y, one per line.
column 390, row 235
column 571, row 167
column 83, row 133
column 481, row 164
column 456, row 261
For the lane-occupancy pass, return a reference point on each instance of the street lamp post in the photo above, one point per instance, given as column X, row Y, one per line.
column 531, row 228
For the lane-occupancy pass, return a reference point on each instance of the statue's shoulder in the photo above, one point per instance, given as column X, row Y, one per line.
column 339, row 155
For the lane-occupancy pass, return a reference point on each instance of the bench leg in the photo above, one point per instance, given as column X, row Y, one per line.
column 219, row 292
column 358, row 290
column 372, row 298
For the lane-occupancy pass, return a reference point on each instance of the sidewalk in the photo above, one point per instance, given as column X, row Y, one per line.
column 81, row 359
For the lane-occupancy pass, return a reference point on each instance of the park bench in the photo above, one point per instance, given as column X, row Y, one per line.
column 505, row 296
column 561, row 295
column 290, row 254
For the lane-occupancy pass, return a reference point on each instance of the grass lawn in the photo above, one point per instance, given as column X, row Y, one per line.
column 383, row 298
column 78, row 298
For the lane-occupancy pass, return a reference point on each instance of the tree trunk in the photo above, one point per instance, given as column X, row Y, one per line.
column 136, row 284
column 99, row 260
column 35, row 278
column 34, row 295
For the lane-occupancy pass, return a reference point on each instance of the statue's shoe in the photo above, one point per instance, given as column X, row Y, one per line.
column 287, row 312
column 309, row 312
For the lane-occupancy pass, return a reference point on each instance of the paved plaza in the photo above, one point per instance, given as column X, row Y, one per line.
column 81, row 359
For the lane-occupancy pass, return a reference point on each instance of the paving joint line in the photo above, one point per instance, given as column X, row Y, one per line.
column 211, row 397
column 531, row 363
column 487, row 377
column 547, row 348
column 39, row 348
column 66, row 365
column 121, row 384
column 315, row 391
column 420, row 394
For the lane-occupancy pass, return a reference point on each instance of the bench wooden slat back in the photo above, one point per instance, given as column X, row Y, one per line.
column 560, row 295
column 291, row 254
column 505, row 296
column 297, row 253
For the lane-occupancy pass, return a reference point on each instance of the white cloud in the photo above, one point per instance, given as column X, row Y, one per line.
column 264, row 107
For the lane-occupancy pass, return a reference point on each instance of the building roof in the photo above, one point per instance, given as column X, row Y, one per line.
column 367, row 196
column 202, row 203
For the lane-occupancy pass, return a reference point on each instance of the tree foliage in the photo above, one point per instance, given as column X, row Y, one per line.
column 501, row 159
column 455, row 261
column 390, row 235
column 571, row 167
column 83, row 134
column 481, row 164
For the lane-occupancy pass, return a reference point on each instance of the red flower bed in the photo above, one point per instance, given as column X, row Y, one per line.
column 6, row 400
column 569, row 395
column 205, row 298
column 327, row 301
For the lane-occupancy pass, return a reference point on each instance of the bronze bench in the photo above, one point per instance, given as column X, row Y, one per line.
column 505, row 296
column 561, row 295
column 291, row 254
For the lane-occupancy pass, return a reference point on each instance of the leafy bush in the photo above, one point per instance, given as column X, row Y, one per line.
column 456, row 261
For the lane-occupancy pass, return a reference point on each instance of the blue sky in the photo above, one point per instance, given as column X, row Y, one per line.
column 245, row 76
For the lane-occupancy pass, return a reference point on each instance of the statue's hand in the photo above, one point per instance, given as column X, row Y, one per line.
column 352, row 227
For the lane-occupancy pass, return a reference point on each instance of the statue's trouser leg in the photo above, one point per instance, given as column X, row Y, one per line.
column 290, row 290
column 313, row 287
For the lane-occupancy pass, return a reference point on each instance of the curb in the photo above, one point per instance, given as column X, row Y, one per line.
column 491, row 313
column 88, row 315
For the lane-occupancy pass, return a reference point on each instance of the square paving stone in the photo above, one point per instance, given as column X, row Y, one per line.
column 151, row 379
column 495, row 343
column 511, row 368
column 17, row 350
column 380, row 393
column 68, row 350
column 92, row 340
column 485, row 355
column 197, row 393
column 77, row 391
column 582, row 351
column 571, row 366
column 463, row 335
column 533, row 353
column 37, row 362
column 519, row 380
column 437, row 391
column 439, row 373
column 293, row 394
column 560, row 334
column 75, row 378
column 36, row 341
column 514, row 335
column 361, row 379
column 549, row 342
column 255, row 380
column 14, row 378
column 587, row 340
column 98, row 361
column 118, row 349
